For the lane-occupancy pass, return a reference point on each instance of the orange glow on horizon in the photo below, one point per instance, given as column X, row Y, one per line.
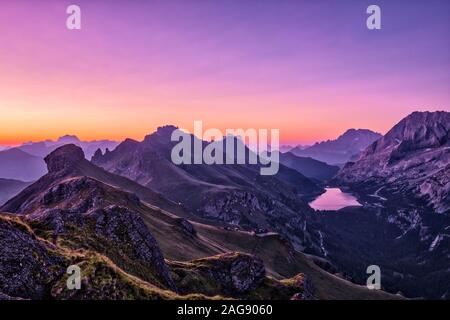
column 122, row 78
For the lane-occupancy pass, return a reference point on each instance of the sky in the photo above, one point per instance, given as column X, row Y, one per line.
column 309, row 68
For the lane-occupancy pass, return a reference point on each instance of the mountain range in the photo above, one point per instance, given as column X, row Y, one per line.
column 337, row 152
column 26, row 162
column 43, row 148
column 142, row 227
column 130, row 249
column 235, row 194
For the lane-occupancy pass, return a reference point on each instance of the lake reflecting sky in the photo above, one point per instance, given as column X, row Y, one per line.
column 334, row 199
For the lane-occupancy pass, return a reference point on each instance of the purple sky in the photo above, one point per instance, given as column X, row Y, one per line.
column 310, row 68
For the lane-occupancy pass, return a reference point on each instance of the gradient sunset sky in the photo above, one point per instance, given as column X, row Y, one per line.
column 310, row 68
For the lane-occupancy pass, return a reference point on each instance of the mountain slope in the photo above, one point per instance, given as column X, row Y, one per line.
column 341, row 150
column 19, row 165
column 412, row 159
column 309, row 167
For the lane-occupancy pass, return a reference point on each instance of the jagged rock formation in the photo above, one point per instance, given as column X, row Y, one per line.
column 64, row 159
column 27, row 266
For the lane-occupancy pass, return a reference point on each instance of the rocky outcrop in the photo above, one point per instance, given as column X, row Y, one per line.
column 76, row 194
column 117, row 231
column 64, row 158
column 28, row 268
column 237, row 275
column 187, row 227
column 246, row 272
column 32, row 268
column 232, row 206
column 126, row 230
column 232, row 273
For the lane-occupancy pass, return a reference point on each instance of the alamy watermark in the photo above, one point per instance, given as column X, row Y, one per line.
column 227, row 148
column 74, row 279
column 73, row 21
column 373, row 22
column 374, row 280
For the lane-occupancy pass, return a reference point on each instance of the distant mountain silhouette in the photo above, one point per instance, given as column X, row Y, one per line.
column 341, row 150
column 285, row 148
column 9, row 188
column 19, row 165
column 43, row 148
column 309, row 167
column 26, row 162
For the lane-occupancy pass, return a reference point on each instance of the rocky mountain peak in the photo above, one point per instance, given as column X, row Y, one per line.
column 430, row 129
column 97, row 155
column 63, row 158
column 163, row 132
column 167, row 129
column 358, row 133
column 419, row 130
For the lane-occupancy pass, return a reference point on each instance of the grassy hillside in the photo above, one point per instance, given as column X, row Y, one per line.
column 280, row 259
